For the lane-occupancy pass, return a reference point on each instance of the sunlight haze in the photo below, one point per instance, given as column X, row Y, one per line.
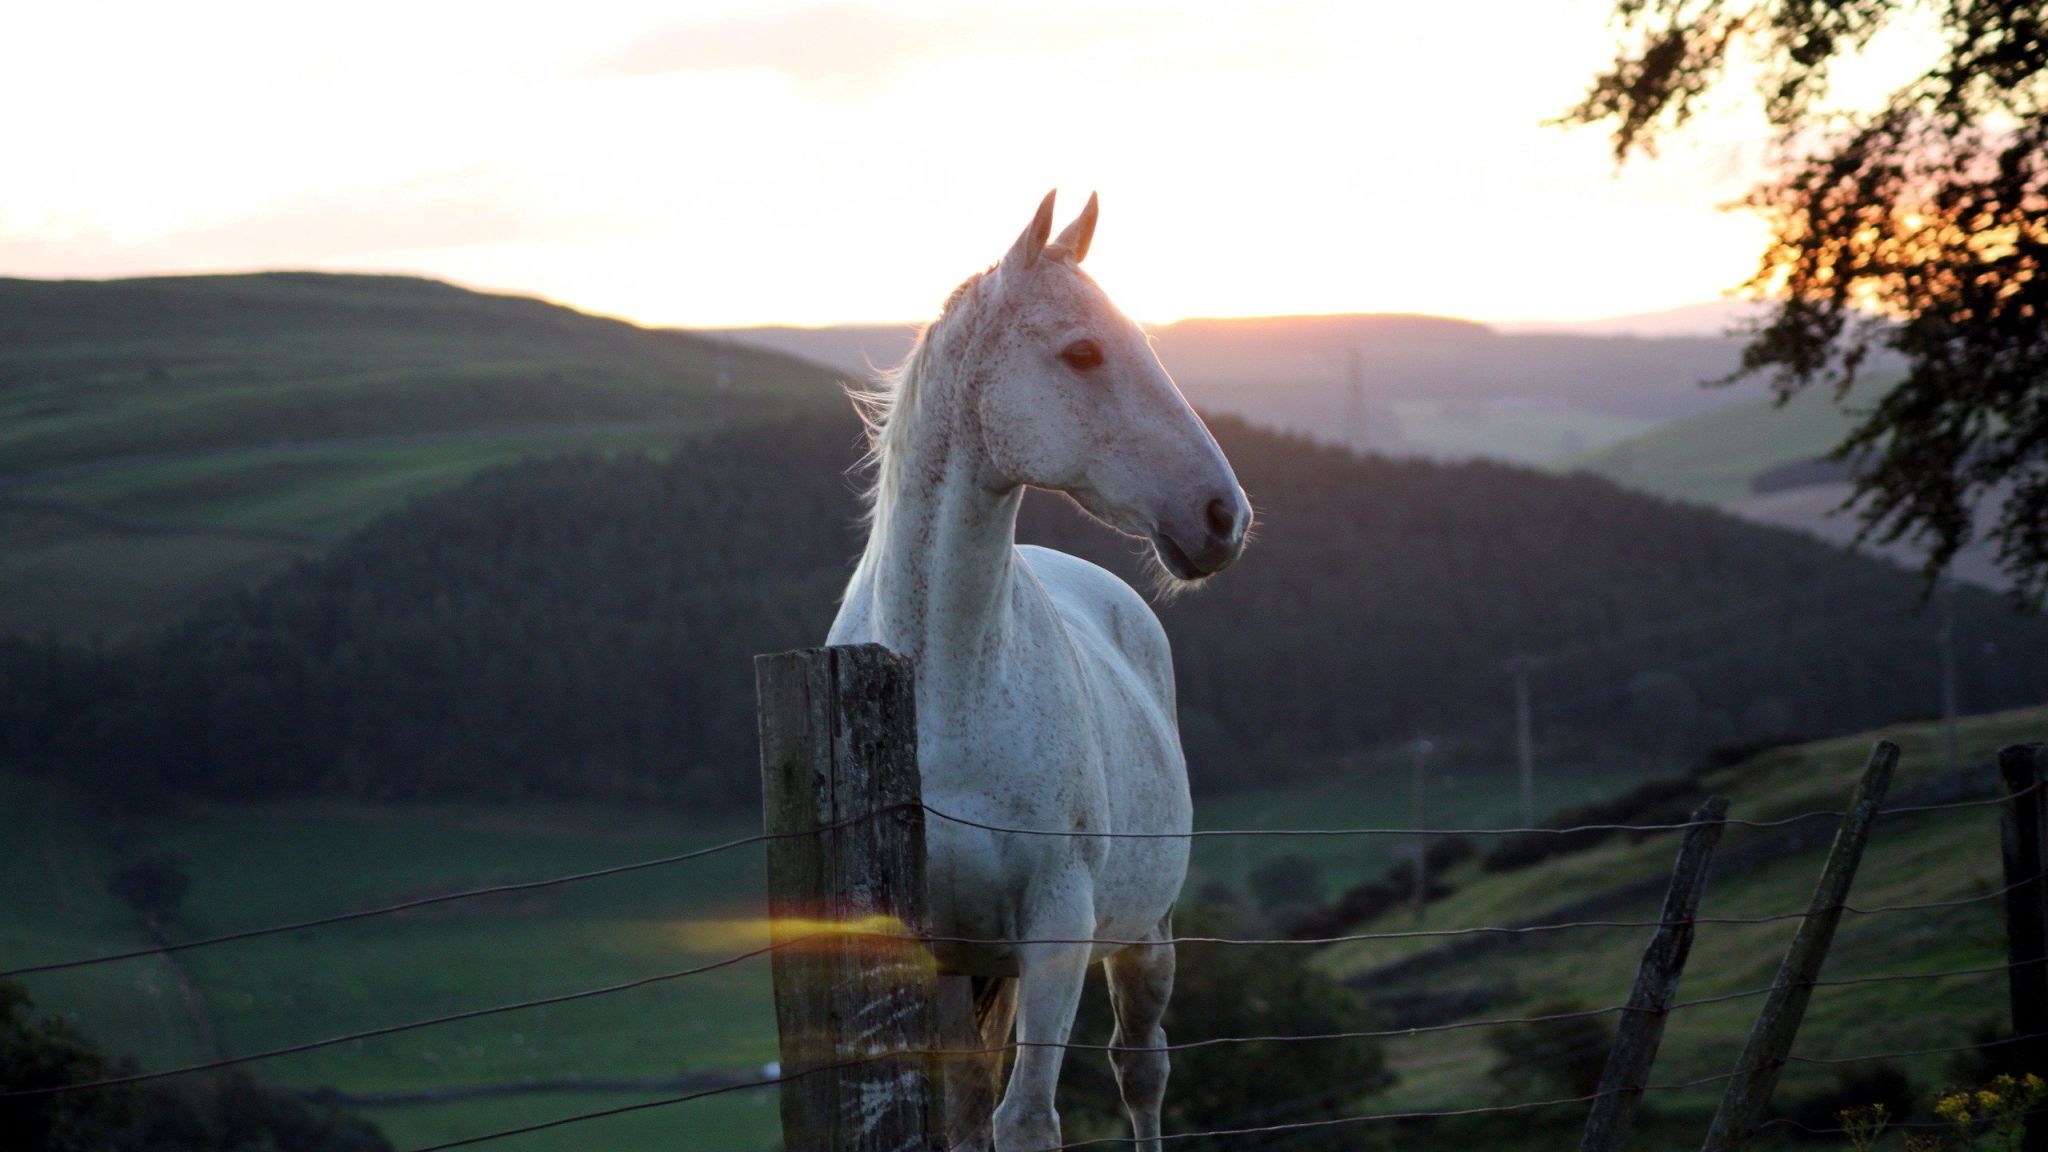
column 709, row 164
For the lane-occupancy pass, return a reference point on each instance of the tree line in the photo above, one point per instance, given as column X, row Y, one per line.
column 584, row 626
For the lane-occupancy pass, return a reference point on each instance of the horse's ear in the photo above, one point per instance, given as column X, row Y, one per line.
column 1025, row 251
column 1075, row 239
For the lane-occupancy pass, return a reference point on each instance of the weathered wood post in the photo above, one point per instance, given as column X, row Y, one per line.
column 1649, row 1005
column 1777, row 1023
column 2023, row 768
column 840, row 788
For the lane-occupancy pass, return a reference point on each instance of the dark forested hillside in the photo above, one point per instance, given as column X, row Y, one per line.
column 584, row 626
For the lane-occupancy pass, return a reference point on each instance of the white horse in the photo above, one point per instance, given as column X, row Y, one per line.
column 1045, row 692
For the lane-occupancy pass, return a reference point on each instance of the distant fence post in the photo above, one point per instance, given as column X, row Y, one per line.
column 1777, row 1023
column 2023, row 768
column 1642, row 1025
column 839, row 749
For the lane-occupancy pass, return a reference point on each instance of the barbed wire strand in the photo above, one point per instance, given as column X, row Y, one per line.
column 1443, row 933
column 765, row 837
column 950, row 1053
column 1362, row 1034
column 391, row 1029
column 312, row 1045
column 1853, row 981
column 1293, row 1126
column 1917, row 1052
column 1576, row 829
column 412, row 1025
column 447, row 897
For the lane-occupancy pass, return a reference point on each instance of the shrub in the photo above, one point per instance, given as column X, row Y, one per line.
column 1549, row 1058
column 231, row 1113
column 154, row 885
column 1287, row 880
column 1657, row 802
column 1868, row 1087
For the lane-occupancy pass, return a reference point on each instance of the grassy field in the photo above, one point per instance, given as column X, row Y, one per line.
column 257, row 864
column 1375, row 790
column 163, row 441
column 1710, row 458
column 1911, row 859
column 252, row 865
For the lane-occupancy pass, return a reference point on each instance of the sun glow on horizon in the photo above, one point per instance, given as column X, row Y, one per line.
column 819, row 163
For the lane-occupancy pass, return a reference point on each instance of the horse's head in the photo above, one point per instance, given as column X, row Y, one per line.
column 1072, row 399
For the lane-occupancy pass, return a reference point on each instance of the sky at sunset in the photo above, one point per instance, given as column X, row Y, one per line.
column 704, row 164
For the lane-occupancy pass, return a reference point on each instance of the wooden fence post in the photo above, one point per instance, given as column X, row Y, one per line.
column 2023, row 768
column 1777, row 1023
column 1649, row 1004
column 839, row 760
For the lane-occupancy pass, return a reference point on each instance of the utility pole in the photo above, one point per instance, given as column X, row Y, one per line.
column 1946, row 637
column 1354, row 404
column 1421, row 893
column 1525, row 740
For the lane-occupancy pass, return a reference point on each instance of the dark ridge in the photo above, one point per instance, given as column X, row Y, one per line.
column 586, row 627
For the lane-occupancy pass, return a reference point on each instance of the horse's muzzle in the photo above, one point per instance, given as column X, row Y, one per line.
column 1207, row 543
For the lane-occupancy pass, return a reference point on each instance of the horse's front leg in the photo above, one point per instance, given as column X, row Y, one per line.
column 1049, row 978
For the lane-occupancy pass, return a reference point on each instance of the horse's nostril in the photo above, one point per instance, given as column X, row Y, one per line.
column 1222, row 518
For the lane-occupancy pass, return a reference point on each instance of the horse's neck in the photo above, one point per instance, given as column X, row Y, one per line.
column 941, row 561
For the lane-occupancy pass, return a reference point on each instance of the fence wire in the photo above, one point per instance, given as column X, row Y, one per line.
column 766, row 837
column 1386, row 1033
column 1256, row 1130
column 1507, row 931
column 729, row 961
column 446, row 897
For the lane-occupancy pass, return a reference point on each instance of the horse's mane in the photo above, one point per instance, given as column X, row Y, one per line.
column 888, row 403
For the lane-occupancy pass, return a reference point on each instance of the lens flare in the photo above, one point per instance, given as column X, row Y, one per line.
column 795, row 932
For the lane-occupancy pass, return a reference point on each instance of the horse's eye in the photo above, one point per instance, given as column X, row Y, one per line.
column 1082, row 355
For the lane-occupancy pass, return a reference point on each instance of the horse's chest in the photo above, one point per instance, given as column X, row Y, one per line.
column 1029, row 748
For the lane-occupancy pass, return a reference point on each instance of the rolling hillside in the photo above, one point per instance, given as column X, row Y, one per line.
column 1419, row 385
column 1763, row 462
column 164, row 440
column 1919, row 858
column 583, row 627
column 1715, row 457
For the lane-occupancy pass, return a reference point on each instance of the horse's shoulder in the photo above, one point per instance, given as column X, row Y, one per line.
column 1091, row 595
column 1091, row 584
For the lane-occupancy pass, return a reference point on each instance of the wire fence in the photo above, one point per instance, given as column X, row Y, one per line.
column 884, row 810
column 1296, row 1126
column 1274, row 1129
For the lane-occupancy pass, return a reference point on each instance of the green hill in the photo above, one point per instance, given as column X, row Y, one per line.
column 1711, row 458
column 1917, row 858
column 256, row 864
column 165, row 440
column 1766, row 463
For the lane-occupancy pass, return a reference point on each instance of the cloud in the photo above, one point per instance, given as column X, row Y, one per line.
column 829, row 45
column 839, row 46
column 438, row 214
